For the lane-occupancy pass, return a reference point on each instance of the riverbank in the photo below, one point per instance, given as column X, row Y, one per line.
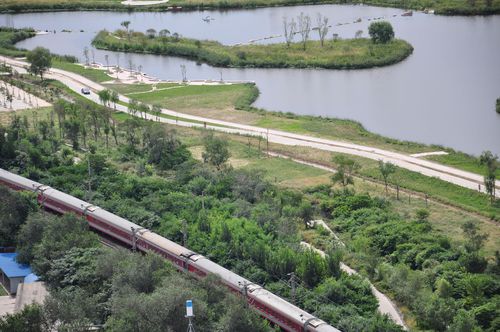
column 498, row 105
column 441, row 7
column 9, row 37
column 339, row 54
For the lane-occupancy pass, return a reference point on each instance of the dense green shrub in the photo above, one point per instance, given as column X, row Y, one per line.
column 381, row 32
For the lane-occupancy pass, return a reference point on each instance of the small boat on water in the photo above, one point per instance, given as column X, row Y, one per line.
column 408, row 13
column 208, row 19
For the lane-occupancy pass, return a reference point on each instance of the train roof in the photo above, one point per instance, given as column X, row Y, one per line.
column 165, row 243
column 18, row 180
column 75, row 203
column 113, row 219
column 261, row 294
column 228, row 276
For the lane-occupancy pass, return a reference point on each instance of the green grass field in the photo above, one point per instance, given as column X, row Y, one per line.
column 95, row 75
column 179, row 96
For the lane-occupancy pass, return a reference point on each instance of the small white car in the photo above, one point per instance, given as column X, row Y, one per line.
column 86, row 91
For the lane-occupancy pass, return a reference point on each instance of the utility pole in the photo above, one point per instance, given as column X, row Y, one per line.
column 293, row 284
column 244, row 290
column 90, row 178
column 267, row 139
column 134, row 237
column 184, row 232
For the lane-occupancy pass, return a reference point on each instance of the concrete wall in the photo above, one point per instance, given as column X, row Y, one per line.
column 14, row 282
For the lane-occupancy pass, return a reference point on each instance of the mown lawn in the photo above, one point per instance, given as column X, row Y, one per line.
column 95, row 75
column 194, row 96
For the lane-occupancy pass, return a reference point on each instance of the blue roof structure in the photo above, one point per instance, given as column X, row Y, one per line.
column 30, row 278
column 11, row 268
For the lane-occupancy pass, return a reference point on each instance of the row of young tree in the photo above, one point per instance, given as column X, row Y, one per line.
column 347, row 168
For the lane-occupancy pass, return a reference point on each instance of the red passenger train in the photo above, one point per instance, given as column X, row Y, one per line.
column 268, row 305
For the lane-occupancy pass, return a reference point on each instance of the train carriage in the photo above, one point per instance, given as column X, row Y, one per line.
column 268, row 305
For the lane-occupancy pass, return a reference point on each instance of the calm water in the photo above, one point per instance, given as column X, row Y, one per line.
column 442, row 94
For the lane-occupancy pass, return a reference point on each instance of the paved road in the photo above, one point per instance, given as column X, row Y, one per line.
column 446, row 173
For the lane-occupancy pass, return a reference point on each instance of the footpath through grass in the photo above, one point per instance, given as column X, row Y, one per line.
column 338, row 54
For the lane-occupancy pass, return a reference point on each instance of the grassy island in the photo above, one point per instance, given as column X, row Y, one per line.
column 442, row 7
column 10, row 36
column 339, row 54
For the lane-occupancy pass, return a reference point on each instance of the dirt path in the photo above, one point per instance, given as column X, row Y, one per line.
column 385, row 305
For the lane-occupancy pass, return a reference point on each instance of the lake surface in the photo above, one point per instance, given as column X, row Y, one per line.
column 442, row 94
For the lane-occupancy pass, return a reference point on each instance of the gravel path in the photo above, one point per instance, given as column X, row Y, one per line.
column 385, row 305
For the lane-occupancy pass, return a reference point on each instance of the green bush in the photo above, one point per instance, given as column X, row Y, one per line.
column 381, row 32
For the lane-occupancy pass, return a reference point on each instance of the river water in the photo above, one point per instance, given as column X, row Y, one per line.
column 444, row 93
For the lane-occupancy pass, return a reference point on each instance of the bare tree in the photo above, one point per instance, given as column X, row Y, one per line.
column 304, row 28
column 106, row 58
column 126, row 24
column 117, row 61
column 386, row 169
column 322, row 28
column 358, row 34
column 491, row 161
column 289, row 29
column 164, row 33
column 151, row 33
column 86, row 55
column 183, row 72
column 131, row 65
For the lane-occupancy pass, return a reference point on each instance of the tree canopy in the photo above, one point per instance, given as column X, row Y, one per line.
column 381, row 32
column 40, row 61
